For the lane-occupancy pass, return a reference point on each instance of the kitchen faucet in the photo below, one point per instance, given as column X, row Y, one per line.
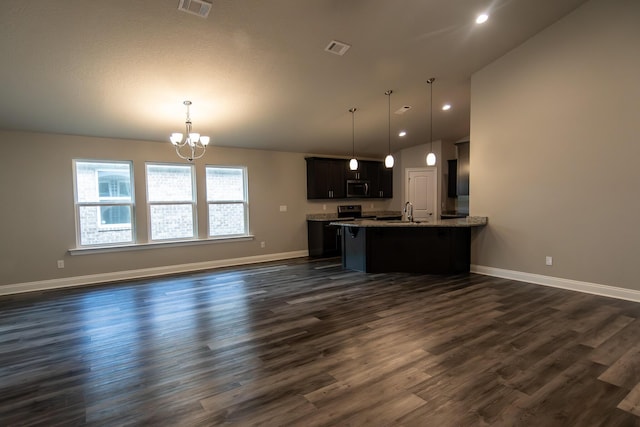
column 408, row 209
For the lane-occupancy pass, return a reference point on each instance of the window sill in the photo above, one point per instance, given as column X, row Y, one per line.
column 156, row 245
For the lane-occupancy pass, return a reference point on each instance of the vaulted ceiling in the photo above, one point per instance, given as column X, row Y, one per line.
column 256, row 71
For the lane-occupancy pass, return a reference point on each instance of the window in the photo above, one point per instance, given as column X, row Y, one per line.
column 227, row 201
column 104, row 202
column 172, row 201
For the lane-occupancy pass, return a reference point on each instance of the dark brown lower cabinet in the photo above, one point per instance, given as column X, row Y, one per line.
column 323, row 239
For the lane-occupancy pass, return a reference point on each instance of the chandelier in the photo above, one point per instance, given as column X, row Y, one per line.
column 194, row 145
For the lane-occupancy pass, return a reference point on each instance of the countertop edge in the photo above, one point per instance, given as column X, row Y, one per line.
column 369, row 214
column 470, row 221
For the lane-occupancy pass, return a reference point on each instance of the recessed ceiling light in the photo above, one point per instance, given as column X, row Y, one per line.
column 446, row 107
column 482, row 18
column 402, row 133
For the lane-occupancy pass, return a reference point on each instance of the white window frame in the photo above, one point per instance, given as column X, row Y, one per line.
column 192, row 202
column 244, row 201
column 104, row 202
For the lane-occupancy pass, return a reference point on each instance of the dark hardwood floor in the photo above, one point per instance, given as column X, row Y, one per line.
column 307, row 343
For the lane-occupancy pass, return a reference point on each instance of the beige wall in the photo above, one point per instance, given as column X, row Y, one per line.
column 555, row 147
column 37, row 225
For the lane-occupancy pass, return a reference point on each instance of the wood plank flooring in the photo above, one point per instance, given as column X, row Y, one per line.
column 307, row 343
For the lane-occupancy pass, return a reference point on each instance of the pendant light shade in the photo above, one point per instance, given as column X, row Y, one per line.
column 431, row 159
column 431, row 156
column 353, row 163
column 388, row 161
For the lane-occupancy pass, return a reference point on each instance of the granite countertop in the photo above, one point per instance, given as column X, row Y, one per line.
column 365, row 215
column 470, row 221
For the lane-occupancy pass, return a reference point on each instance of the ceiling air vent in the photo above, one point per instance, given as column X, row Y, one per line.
column 195, row 7
column 337, row 47
column 402, row 109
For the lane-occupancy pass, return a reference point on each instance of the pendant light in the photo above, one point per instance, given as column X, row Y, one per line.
column 388, row 161
column 353, row 163
column 431, row 157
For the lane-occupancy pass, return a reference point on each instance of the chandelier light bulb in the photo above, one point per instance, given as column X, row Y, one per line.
column 175, row 138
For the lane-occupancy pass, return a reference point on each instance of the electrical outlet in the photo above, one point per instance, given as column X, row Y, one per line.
column 324, row 207
column 283, row 208
column 548, row 260
column 60, row 263
column 263, row 244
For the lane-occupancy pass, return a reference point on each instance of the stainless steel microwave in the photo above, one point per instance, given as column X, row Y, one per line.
column 358, row 188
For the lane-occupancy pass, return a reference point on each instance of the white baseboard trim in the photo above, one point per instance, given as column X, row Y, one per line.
column 114, row 276
column 556, row 282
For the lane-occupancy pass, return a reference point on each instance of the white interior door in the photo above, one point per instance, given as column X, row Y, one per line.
column 422, row 186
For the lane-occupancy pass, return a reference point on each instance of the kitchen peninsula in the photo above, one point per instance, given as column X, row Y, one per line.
column 438, row 246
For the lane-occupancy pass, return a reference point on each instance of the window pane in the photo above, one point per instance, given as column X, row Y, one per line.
column 113, row 184
column 111, row 215
column 225, row 184
column 94, row 232
column 169, row 183
column 226, row 219
column 171, row 221
column 96, row 181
